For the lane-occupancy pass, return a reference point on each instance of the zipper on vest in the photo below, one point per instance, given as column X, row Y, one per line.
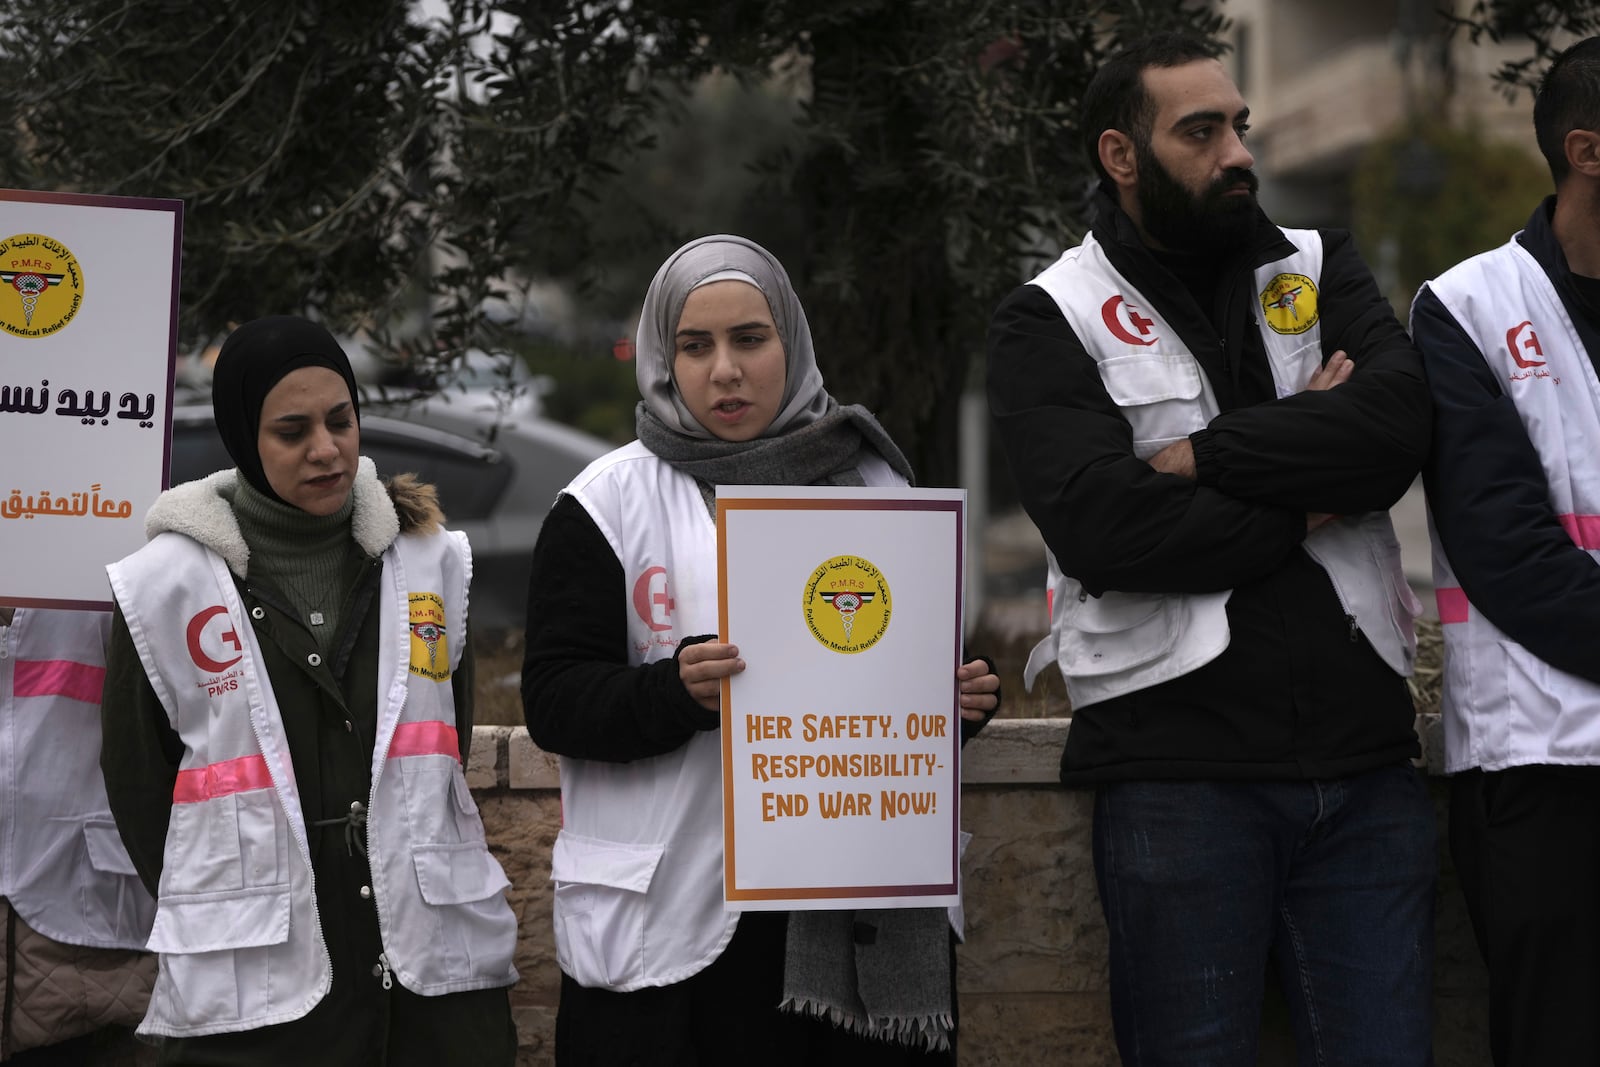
column 383, row 969
column 1344, row 602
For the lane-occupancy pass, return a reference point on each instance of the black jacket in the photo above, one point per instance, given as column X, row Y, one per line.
column 1487, row 489
column 1299, row 692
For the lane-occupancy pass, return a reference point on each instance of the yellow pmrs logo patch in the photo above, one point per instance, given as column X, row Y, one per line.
column 430, row 651
column 41, row 285
column 1289, row 303
column 847, row 604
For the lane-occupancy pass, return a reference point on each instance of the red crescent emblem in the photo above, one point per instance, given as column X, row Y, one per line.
column 1108, row 313
column 1532, row 344
column 198, row 654
column 645, row 602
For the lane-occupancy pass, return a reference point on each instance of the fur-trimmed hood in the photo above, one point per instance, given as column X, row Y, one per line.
column 202, row 510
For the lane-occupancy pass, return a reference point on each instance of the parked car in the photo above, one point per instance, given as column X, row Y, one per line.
column 496, row 481
column 499, row 387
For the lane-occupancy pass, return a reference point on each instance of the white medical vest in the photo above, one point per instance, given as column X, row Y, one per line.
column 637, row 865
column 1502, row 705
column 1122, row 642
column 236, row 922
column 62, row 863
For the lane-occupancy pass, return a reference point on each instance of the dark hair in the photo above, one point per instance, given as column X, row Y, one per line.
column 1116, row 97
column 1569, row 99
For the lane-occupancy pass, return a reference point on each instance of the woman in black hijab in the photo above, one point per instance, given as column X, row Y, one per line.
column 288, row 709
column 253, row 360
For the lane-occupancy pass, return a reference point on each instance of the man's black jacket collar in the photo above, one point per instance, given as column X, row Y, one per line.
column 1114, row 228
column 1539, row 239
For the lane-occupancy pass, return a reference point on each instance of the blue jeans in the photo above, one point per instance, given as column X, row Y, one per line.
column 1204, row 882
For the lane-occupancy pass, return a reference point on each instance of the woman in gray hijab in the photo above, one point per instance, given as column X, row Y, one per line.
column 623, row 683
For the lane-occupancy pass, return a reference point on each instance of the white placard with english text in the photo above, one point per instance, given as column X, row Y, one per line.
column 841, row 739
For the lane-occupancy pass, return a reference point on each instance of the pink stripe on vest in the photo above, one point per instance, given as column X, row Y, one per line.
column 220, row 779
column 1452, row 604
column 59, row 678
column 1583, row 529
column 425, row 739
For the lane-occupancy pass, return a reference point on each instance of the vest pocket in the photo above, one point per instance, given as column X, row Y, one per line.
column 1116, row 632
column 600, row 889
column 1158, row 395
column 234, row 841
column 224, row 904
column 115, row 904
column 106, row 850
column 215, row 951
column 439, row 805
column 465, row 922
column 457, row 874
column 480, row 935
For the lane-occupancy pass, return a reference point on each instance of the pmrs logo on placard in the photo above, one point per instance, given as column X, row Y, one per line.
column 847, row 604
column 430, row 651
column 41, row 285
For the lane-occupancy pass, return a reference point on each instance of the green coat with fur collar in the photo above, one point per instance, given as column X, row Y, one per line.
column 329, row 715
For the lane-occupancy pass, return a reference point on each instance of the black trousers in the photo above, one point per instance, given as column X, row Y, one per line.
column 1526, row 844
column 726, row 1014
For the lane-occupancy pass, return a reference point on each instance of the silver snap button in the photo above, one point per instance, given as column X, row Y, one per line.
column 356, row 807
column 347, row 727
column 257, row 613
column 314, row 659
column 366, row 892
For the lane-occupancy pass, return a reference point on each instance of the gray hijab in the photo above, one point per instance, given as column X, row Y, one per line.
column 812, row 441
column 804, row 398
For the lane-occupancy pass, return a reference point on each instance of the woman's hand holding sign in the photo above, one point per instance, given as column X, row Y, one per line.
column 980, row 688
column 703, row 666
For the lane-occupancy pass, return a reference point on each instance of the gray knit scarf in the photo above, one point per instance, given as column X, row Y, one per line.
column 883, row 974
column 827, row 451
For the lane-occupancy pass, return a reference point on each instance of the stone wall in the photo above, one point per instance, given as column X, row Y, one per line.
column 1032, row 973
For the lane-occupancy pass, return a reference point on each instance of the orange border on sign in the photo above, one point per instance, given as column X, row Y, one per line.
column 851, row 504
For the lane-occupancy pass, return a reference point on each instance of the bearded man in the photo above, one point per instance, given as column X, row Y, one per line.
column 1208, row 417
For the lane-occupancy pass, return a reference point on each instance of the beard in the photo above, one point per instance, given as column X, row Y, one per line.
column 1212, row 221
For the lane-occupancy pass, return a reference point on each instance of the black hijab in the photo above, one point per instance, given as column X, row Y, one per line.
column 253, row 359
